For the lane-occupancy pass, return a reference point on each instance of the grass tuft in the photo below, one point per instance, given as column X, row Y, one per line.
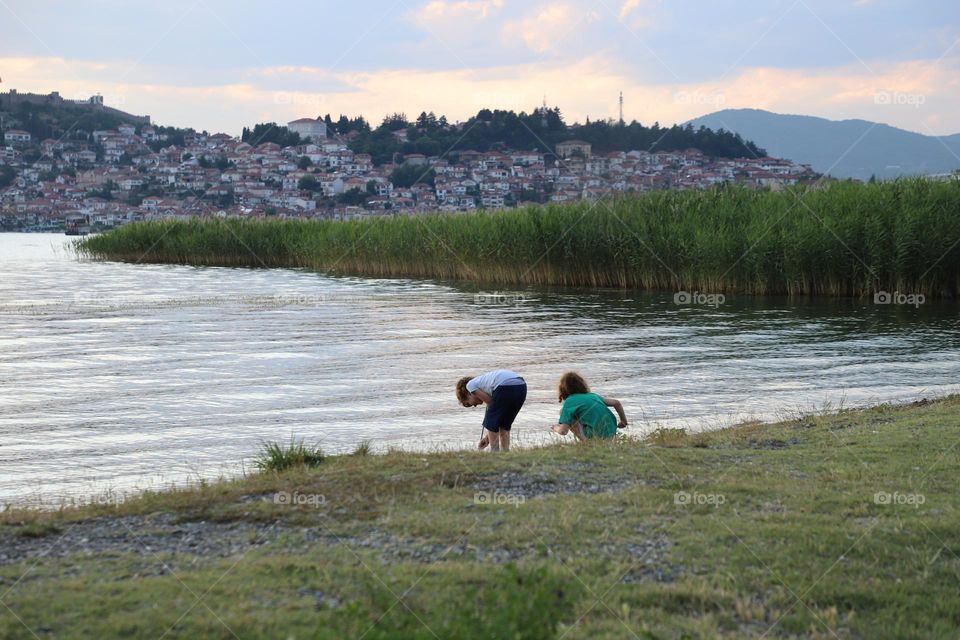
column 277, row 457
column 38, row 530
column 668, row 437
column 363, row 448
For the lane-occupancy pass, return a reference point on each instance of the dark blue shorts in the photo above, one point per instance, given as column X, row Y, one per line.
column 504, row 407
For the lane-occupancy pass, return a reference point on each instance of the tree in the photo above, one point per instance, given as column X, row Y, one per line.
column 395, row 122
column 7, row 176
column 352, row 197
column 427, row 121
column 309, row 183
column 304, row 162
column 408, row 175
column 270, row 132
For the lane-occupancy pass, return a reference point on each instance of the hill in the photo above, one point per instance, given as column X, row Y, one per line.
column 52, row 116
column 843, row 148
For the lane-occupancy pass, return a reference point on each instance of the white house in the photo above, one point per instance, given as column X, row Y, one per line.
column 16, row 136
column 308, row 128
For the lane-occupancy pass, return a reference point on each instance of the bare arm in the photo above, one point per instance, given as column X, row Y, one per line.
column 613, row 402
column 483, row 395
column 564, row 429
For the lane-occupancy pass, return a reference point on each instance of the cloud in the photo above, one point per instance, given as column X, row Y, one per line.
column 917, row 95
column 444, row 10
column 631, row 16
column 628, row 7
column 546, row 29
column 459, row 27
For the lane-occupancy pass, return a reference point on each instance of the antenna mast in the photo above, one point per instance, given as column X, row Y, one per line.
column 621, row 109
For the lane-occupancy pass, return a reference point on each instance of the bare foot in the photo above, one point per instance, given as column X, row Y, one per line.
column 560, row 429
column 484, row 443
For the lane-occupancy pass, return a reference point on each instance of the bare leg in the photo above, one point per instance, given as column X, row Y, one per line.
column 494, row 438
column 504, row 440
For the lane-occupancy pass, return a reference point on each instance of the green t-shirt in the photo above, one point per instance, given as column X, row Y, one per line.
column 594, row 417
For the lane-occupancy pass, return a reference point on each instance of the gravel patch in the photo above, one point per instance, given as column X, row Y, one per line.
column 572, row 479
column 774, row 444
column 646, row 550
column 139, row 535
column 161, row 535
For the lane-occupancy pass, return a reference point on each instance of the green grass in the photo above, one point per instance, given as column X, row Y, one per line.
column 38, row 530
column 761, row 530
column 277, row 457
column 364, row 448
column 842, row 239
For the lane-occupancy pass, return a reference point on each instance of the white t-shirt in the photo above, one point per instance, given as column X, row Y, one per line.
column 493, row 379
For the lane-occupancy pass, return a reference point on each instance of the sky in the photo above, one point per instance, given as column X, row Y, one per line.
column 220, row 65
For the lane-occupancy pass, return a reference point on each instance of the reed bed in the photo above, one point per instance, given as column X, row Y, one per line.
column 843, row 239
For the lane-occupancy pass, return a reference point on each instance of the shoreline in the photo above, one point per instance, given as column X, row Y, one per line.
column 111, row 496
column 636, row 525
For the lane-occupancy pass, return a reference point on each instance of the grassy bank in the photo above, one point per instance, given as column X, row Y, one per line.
column 843, row 239
column 843, row 526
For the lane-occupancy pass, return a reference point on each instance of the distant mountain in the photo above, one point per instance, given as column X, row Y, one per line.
column 831, row 146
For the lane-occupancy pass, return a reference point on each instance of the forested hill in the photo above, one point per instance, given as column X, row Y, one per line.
column 435, row 136
column 59, row 119
column 488, row 130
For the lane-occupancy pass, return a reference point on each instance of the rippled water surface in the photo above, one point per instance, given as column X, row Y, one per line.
column 124, row 376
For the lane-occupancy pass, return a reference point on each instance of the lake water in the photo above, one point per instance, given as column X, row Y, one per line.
column 117, row 377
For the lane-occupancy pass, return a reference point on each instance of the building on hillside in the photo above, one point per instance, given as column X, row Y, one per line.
column 308, row 128
column 572, row 148
column 16, row 136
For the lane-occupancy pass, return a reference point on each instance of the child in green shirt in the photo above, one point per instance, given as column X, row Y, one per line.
column 586, row 413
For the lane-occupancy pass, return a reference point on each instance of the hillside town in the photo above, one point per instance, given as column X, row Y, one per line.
column 137, row 172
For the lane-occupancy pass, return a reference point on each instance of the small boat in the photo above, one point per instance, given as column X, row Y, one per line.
column 77, row 225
